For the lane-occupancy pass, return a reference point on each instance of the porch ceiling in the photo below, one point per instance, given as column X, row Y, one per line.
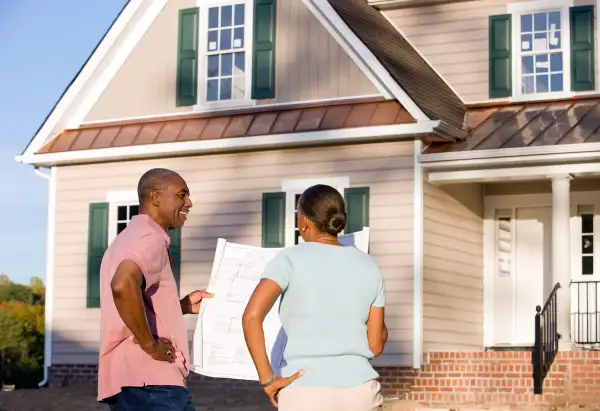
column 241, row 123
column 533, row 124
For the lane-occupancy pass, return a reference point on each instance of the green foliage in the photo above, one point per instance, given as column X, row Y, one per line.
column 22, row 336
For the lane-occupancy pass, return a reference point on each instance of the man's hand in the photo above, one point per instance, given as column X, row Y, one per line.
column 161, row 350
column 190, row 304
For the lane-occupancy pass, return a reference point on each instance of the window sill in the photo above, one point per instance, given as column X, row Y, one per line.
column 223, row 105
column 550, row 96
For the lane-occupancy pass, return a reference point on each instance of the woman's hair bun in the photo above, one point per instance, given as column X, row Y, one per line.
column 336, row 223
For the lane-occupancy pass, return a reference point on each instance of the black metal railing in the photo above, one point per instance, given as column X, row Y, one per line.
column 546, row 340
column 585, row 315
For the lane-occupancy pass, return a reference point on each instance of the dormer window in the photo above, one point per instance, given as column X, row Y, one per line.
column 542, row 49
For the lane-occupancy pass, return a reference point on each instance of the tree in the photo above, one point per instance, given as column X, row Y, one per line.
column 4, row 279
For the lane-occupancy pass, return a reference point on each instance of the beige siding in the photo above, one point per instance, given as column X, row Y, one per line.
column 226, row 191
column 453, row 268
column 454, row 40
column 310, row 65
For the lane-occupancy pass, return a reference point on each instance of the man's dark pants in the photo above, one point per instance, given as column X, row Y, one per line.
column 153, row 398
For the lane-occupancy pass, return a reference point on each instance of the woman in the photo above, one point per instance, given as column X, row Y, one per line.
column 332, row 311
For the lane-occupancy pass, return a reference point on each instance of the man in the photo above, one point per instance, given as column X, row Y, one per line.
column 144, row 354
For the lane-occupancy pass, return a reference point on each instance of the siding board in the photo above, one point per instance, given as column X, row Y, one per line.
column 453, row 268
column 226, row 192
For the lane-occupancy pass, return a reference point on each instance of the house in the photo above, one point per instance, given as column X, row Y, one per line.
column 462, row 133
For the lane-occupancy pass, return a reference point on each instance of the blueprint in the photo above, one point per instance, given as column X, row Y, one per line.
column 219, row 348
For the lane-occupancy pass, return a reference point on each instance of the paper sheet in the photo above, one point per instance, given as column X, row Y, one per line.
column 219, row 348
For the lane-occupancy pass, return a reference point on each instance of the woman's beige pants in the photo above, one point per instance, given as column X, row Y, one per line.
column 365, row 397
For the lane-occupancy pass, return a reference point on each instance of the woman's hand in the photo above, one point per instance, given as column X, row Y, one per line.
column 278, row 384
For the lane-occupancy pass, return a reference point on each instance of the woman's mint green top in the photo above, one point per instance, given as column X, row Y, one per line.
column 327, row 294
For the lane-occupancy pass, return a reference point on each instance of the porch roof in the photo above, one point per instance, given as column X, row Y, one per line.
column 260, row 121
column 518, row 125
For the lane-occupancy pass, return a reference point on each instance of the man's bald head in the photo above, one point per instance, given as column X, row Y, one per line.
column 155, row 179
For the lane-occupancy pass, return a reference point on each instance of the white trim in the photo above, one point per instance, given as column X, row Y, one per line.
column 489, row 239
column 362, row 56
column 512, row 156
column 513, row 174
column 373, row 133
column 534, row 98
column 110, row 54
column 49, row 297
column 418, row 225
column 116, row 199
column 216, row 110
column 297, row 186
column 515, row 9
column 122, row 196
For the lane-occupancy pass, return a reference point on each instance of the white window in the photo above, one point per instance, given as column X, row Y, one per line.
column 541, row 55
column 586, row 214
column 225, row 53
column 504, row 243
column 123, row 205
column 293, row 190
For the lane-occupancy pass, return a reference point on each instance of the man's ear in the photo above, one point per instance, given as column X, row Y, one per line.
column 154, row 196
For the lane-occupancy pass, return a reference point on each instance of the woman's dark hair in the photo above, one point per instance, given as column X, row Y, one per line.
column 324, row 206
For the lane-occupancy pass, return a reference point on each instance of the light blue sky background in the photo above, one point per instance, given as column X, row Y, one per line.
column 42, row 46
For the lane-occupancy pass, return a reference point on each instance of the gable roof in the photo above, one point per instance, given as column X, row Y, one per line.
column 416, row 77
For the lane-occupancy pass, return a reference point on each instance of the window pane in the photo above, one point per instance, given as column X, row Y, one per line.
column 226, row 89
column 239, row 14
column 240, row 63
column 296, row 236
column 554, row 40
column 528, row 85
column 238, row 37
column 556, row 62
column 212, row 90
column 226, row 64
column 225, row 39
column 554, row 20
column 239, row 87
column 226, row 16
column 213, row 66
column 541, row 83
column 527, row 62
column 540, row 42
column 526, row 42
column 213, row 17
column 134, row 210
column 587, row 265
column 122, row 213
column 587, row 244
column 556, row 82
column 540, row 21
column 213, row 39
column 121, row 227
column 526, row 23
column 541, row 64
column 587, row 223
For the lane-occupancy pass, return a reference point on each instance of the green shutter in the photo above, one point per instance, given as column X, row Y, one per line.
column 357, row 208
column 500, row 66
column 187, row 58
column 97, row 245
column 273, row 220
column 175, row 249
column 263, row 50
column 582, row 48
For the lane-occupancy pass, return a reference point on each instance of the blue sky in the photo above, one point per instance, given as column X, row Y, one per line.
column 42, row 46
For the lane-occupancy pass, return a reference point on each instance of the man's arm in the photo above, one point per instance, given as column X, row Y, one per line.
column 126, row 287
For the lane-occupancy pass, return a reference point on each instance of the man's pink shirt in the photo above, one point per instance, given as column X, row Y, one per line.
column 123, row 363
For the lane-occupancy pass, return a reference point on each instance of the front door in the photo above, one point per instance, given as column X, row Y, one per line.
column 522, row 274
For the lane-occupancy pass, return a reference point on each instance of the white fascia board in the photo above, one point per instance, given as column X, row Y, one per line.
column 512, row 156
column 362, row 56
column 512, row 173
column 99, row 70
column 350, row 135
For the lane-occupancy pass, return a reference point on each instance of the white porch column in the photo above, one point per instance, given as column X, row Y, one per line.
column 561, row 253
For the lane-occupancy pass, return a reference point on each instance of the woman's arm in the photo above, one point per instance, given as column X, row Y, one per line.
column 377, row 333
column 262, row 300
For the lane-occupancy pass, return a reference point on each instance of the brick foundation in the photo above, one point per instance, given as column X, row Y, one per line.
column 449, row 378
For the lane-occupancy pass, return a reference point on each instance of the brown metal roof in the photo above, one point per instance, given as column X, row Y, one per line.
column 529, row 124
column 265, row 121
column 416, row 77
